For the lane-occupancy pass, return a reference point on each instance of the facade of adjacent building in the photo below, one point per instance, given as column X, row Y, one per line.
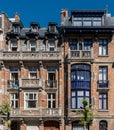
column 45, row 73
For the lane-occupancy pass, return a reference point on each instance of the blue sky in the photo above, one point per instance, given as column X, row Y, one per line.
column 44, row 11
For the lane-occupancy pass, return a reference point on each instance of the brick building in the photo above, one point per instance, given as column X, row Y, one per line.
column 47, row 72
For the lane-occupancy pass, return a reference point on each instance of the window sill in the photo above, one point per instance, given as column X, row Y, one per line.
column 103, row 55
column 99, row 110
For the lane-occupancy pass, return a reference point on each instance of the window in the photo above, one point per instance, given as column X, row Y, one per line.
column 103, row 101
column 77, row 97
column 77, row 126
column 52, row 28
column 14, row 45
column 80, row 85
column 32, row 72
column 103, row 125
column 97, row 21
column 30, row 100
column 73, row 45
column 51, row 46
column 14, row 100
column 14, row 77
column 32, row 46
column 51, row 100
column 51, row 77
column 103, row 76
column 87, row 21
column 103, row 47
column 87, row 44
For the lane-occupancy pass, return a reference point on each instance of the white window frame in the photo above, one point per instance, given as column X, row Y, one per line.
column 14, row 100
column 26, row 100
column 52, row 99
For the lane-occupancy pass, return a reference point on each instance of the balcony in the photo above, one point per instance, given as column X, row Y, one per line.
column 103, row 85
column 24, row 83
column 51, row 85
column 41, row 55
column 13, row 84
column 30, row 83
column 80, row 54
column 45, row 112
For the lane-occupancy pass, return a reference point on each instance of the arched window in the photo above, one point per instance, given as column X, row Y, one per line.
column 103, row 125
column 80, row 85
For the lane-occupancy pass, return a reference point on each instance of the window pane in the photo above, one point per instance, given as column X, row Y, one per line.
column 73, row 102
column 80, row 100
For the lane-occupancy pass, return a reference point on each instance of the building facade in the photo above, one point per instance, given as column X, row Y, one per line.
column 47, row 72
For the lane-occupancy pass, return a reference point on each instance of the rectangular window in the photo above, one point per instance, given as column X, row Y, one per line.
column 14, row 45
column 51, row 100
column 14, row 100
column 103, row 76
column 51, row 77
column 103, row 47
column 51, row 46
column 30, row 100
column 77, row 98
column 103, row 101
column 32, row 46
column 14, row 77
column 97, row 21
column 87, row 44
column 32, row 72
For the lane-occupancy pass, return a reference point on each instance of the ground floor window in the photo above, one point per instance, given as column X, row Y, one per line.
column 103, row 125
column 77, row 126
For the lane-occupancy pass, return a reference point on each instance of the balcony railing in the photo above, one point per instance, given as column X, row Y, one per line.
column 80, row 54
column 41, row 55
column 51, row 84
column 13, row 84
column 24, row 83
column 28, row 83
column 46, row 112
column 103, row 84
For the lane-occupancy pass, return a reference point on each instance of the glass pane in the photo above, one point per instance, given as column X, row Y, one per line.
column 80, row 93
column 73, row 93
column 31, row 96
column 73, row 102
column 79, row 104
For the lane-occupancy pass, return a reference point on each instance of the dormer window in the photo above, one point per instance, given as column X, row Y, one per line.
column 87, row 17
column 52, row 27
column 34, row 27
column 16, row 27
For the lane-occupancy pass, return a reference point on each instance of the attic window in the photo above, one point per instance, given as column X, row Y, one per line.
column 52, row 28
